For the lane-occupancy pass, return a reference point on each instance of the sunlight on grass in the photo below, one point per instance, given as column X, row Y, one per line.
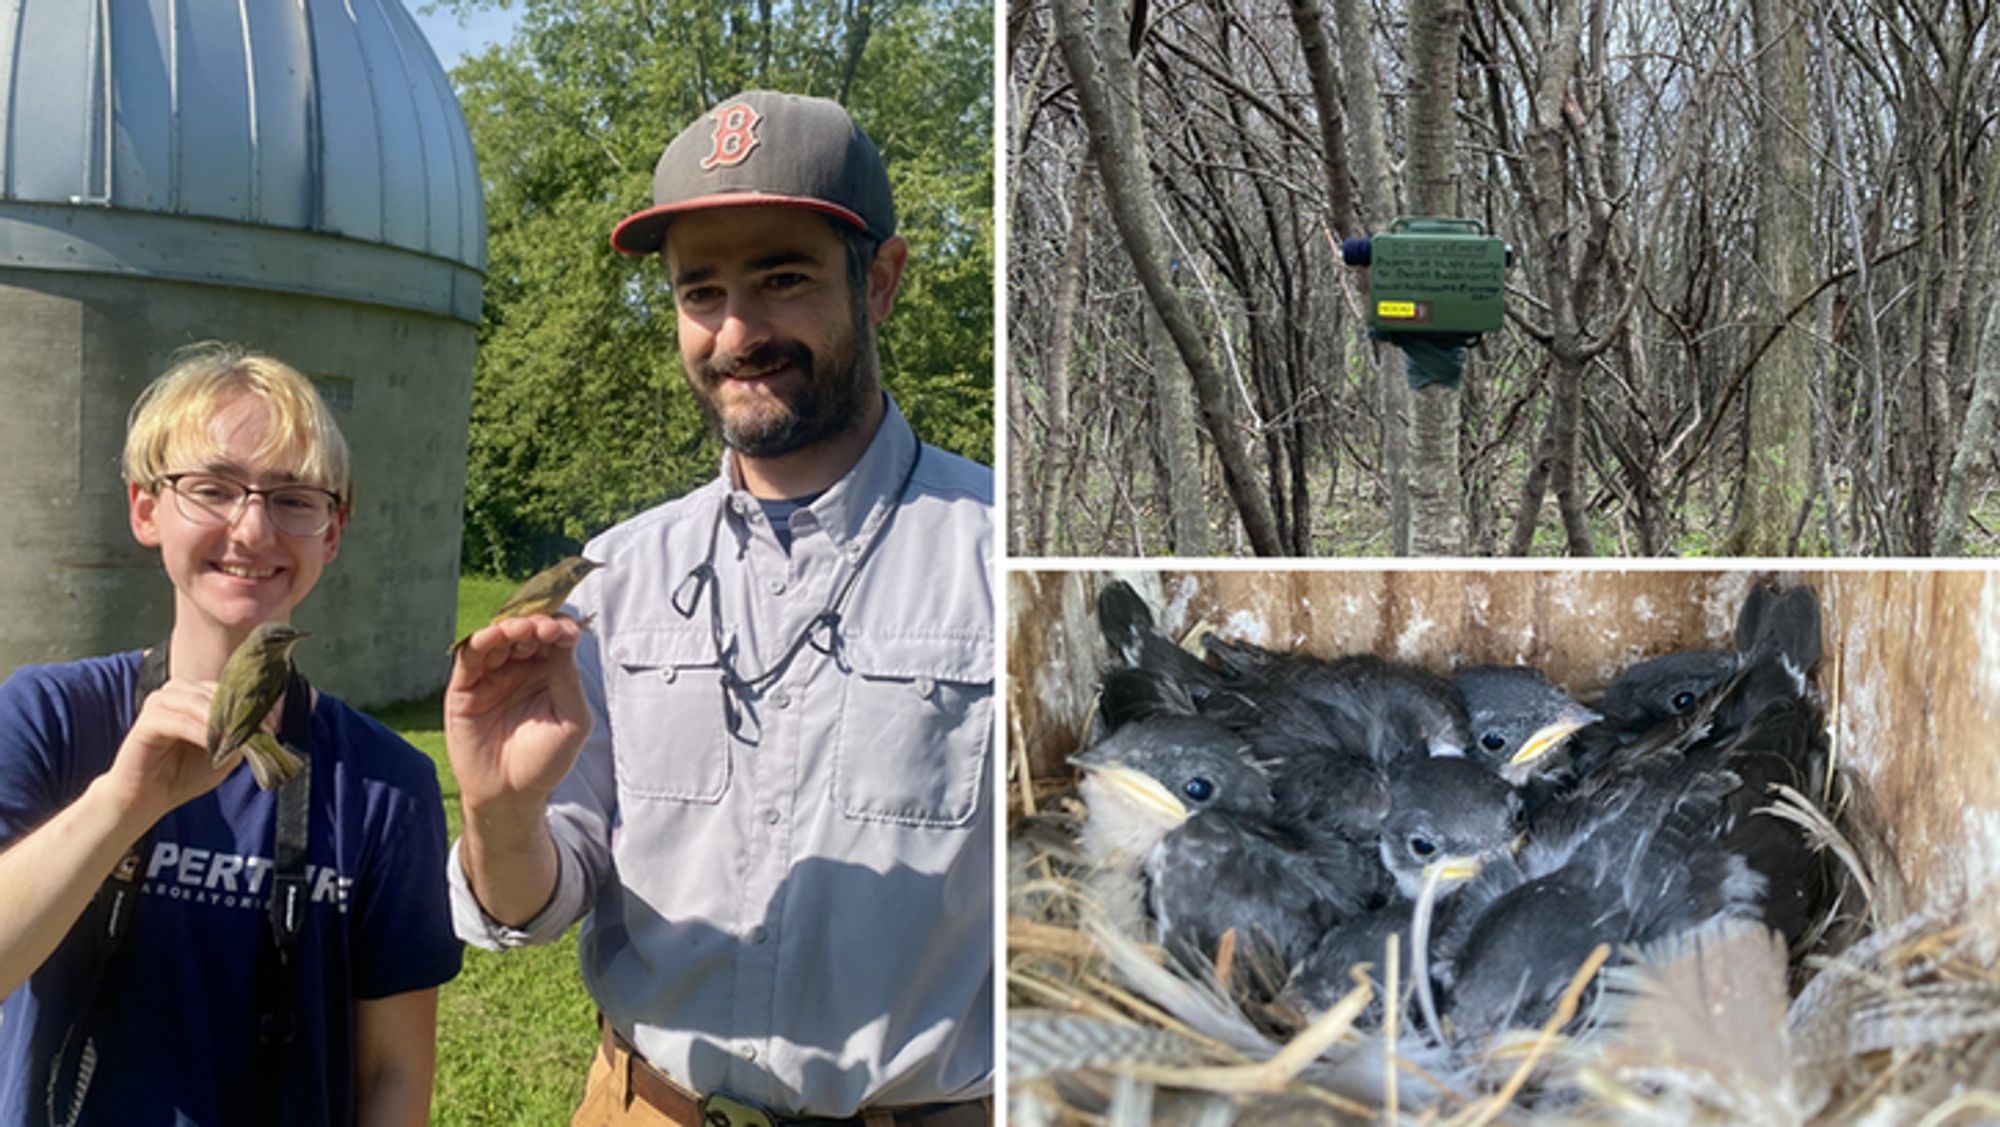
column 515, row 1031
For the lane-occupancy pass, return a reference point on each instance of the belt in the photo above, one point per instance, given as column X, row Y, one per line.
column 682, row 1104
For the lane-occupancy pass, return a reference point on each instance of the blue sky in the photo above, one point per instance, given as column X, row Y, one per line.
column 452, row 41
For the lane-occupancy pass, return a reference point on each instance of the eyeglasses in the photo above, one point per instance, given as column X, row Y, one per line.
column 297, row 510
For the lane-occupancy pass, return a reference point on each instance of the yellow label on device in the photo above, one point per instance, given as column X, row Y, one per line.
column 1403, row 309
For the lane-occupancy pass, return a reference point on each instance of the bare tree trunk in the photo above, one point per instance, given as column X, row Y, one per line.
column 1874, row 374
column 1437, row 495
column 1975, row 441
column 1376, row 200
column 1777, row 472
column 1549, row 173
column 1052, row 474
column 1180, row 449
column 1108, row 103
column 1534, row 488
column 1306, row 18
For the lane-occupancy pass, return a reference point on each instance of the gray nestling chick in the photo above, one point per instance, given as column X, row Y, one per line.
column 1518, row 718
column 1448, row 818
column 1216, row 859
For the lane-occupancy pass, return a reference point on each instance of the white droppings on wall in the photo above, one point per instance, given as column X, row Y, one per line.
column 1642, row 609
column 1246, row 626
column 1565, row 587
column 1478, row 600
column 1175, row 617
column 1860, row 727
column 1986, row 631
column 1981, row 852
column 1410, row 642
column 1726, row 593
column 1980, row 849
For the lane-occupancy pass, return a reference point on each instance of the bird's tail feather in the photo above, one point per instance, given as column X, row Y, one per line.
column 271, row 762
column 1785, row 623
column 1125, row 620
column 1141, row 694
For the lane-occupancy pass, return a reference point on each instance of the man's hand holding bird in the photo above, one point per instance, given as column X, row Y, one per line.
column 514, row 712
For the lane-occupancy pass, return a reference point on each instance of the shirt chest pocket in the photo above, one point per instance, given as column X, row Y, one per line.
column 915, row 731
column 664, row 697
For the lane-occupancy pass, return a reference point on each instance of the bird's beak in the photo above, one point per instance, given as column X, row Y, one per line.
column 1142, row 790
column 1551, row 736
column 1455, row 870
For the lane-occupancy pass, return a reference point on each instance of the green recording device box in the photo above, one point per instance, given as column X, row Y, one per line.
column 1436, row 276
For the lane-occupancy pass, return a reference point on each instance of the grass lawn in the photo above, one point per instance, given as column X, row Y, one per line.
column 515, row 1031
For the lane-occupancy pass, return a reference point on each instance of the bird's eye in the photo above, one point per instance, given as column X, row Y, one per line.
column 1422, row 847
column 1683, row 701
column 1198, row 789
column 1493, row 741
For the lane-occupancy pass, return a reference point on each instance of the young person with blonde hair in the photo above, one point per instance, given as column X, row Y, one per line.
column 177, row 944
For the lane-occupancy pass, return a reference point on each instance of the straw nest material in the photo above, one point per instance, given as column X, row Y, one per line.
column 1891, row 1016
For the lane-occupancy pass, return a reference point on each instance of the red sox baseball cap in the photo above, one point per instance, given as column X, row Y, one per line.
column 763, row 148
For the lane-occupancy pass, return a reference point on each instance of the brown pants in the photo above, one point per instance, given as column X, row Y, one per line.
column 607, row 1097
column 608, row 1100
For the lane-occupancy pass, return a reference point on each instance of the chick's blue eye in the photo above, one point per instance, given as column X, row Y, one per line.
column 1683, row 700
column 1198, row 789
column 1493, row 741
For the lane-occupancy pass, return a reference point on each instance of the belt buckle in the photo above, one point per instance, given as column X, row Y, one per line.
column 721, row 1111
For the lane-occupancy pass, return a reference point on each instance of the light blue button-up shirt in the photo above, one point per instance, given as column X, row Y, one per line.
column 797, row 912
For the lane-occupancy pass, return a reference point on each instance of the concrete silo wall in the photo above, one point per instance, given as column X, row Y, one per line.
column 81, row 346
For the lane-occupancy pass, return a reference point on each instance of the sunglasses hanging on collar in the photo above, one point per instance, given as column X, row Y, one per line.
column 822, row 633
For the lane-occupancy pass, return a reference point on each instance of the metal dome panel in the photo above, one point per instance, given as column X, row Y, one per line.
column 324, row 116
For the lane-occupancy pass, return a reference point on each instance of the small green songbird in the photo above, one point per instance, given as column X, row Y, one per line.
column 252, row 681
column 543, row 593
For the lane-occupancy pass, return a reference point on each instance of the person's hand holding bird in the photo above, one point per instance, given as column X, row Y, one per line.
column 515, row 715
column 164, row 761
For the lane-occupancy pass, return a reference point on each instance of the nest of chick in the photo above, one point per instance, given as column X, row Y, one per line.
column 1877, row 1013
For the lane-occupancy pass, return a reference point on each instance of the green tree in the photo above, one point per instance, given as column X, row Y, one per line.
column 580, row 415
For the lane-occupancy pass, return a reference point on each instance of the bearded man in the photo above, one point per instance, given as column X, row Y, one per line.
column 761, row 778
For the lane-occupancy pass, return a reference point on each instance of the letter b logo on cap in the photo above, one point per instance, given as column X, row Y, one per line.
column 735, row 135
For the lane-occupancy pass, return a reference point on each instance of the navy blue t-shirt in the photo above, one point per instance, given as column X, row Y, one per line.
column 176, row 1017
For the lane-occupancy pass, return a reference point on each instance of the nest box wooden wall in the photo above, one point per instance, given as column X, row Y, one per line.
column 1911, row 672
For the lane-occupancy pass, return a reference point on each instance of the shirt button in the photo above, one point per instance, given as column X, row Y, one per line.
column 758, row 935
column 777, row 586
column 668, row 674
column 749, row 1052
column 854, row 549
column 771, row 815
column 781, row 699
column 925, row 687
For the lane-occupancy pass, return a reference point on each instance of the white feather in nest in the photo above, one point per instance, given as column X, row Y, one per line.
column 1693, row 1031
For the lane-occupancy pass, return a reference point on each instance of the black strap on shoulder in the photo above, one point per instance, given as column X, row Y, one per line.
column 277, row 975
column 110, row 913
column 109, row 920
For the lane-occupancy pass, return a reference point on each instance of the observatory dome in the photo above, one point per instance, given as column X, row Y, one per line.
column 327, row 118
column 291, row 175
